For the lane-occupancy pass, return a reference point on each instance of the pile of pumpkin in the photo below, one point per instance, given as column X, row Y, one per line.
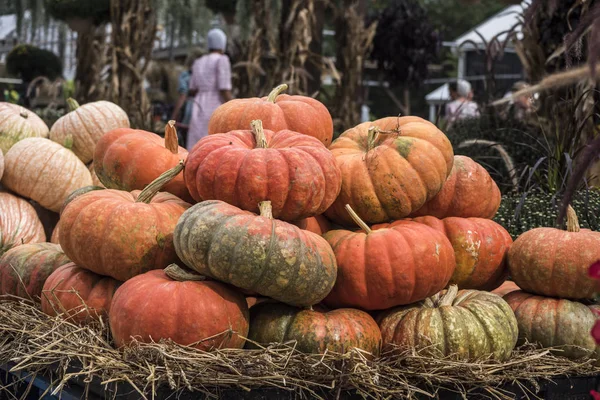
column 268, row 231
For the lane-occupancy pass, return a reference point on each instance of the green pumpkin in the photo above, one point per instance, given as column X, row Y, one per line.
column 466, row 324
column 315, row 331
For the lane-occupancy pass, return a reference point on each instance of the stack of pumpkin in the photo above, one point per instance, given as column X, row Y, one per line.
column 268, row 185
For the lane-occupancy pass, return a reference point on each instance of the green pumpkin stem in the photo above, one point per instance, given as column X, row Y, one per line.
column 259, row 134
column 179, row 274
column 171, row 142
column 276, row 92
column 68, row 143
column 572, row 220
column 72, row 103
column 152, row 189
column 266, row 210
column 372, row 137
column 448, row 298
column 363, row 225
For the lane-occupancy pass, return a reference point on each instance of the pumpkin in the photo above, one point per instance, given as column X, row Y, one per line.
column 315, row 331
column 79, row 295
column 157, row 305
column 278, row 112
column 256, row 253
column 390, row 168
column 18, row 123
column 55, row 233
column 24, row 269
column 469, row 191
column 1, row 164
column 317, row 224
column 122, row 234
column 251, row 301
column 465, row 324
column 95, row 180
column 506, row 288
column 129, row 159
column 19, row 223
column 552, row 262
column 383, row 268
column 480, row 248
column 44, row 171
column 295, row 172
column 82, row 127
column 552, row 322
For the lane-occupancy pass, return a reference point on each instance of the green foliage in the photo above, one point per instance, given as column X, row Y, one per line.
column 28, row 62
column 519, row 213
column 222, row 6
column 96, row 10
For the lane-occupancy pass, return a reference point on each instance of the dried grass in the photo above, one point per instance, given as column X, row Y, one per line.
column 36, row 343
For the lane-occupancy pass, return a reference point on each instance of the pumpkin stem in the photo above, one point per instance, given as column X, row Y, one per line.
column 572, row 220
column 72, row 103
column 276, row 92
column 372, row 136
column 363, row 225
column 449, row 296
column 171, row 142
column 265, row 209
column 152, row 189
column 177, row 273
column 23, row 114
column 68, row 143
column 259, row 134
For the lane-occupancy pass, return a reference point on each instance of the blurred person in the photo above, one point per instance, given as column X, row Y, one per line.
column 210, row 84
column 520, row 107
column 462, row 105
column 184, row 101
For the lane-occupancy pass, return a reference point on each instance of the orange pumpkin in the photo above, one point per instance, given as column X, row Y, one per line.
column 122, row 234
column 157, row 305
column 44, row 171
column 129, row 159
column 278, row 112
column 317, row 224
column 552, row 262
column 18, row 123
column 82, row 127
column 390, row 168
column 469, row 191
column 78, row 294
column 19, row 223
column 480, row 248
column 293, row 171
column 95, row 180
column 387, row 267
column 1, row 164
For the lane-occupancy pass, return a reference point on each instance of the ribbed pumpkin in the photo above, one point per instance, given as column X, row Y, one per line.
column 553, row 322
column 390, row 168
column 295, row 172
column 18, row 123
column 122, row 234
column 79, row 295
column 552, row 262
column 19, row 223
column 506, row 288
column 318, row 224
column 480, row 248
column 467, row 324
column 315, row 331
column 469, row 191
column 383, row 268
column 81, row 128
column 278, row 112
column 129, row 159
column 55, row 233
column 155, row 306
column 257, row 253
column 44, row 171
column 24, row 269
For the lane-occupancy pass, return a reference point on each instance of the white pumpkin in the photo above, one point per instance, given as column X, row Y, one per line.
column 19, row 223
column 17, row 123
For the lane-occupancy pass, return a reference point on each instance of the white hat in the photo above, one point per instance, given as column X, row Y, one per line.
column 463, row 88
column 216, row 39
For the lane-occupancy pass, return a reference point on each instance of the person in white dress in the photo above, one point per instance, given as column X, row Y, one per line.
column 462, row 106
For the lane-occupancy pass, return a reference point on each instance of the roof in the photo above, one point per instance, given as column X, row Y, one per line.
column 497, row 25
column 8, row 24
column 439, row 95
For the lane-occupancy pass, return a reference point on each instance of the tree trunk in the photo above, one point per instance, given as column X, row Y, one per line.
column 353, row 43
column 133, row 32
column 91, row 57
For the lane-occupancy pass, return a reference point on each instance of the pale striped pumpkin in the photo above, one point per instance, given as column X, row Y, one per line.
column 17, row 123
column 19, row 223
column 83, row 126
column 44, row 171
